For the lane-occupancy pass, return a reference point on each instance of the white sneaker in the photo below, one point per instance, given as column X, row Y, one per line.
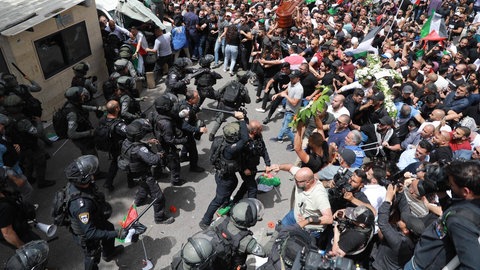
column 260, row 110
column 224, row 70
column 281, row 109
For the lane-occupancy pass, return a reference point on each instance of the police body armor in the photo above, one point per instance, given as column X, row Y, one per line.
column 137, row 167
column 174, row 83
column 103, row 208
column 83, row 121
column 32, row 106
column 253, row 150
column 205, row 84
column 227, row 166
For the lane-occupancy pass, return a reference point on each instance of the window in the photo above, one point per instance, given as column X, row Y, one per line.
column 3, row 63
column 63, row 49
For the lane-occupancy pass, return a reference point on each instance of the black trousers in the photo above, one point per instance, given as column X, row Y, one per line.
column 190, row 147
column 93, row 249
column 225, row 187
column 248, row 186
column 150, row 187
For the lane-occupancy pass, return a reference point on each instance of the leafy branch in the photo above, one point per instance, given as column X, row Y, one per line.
column 316, row 105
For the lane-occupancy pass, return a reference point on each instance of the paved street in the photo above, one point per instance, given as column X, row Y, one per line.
column 190, row 200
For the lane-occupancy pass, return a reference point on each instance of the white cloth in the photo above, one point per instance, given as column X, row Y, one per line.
column 311, row 203
column 408, row 157
column 338, row 112
column 375, row 194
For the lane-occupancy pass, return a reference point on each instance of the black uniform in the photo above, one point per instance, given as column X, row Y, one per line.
column 80, row 129
column 227, row 182
column 190, row 126
column 141, row 160
column 176, row 82
column 205, row 83
column 253, row 150
column 89, row 213
column 166, row 132
column 130, row 108
column 13, row 213
column 118, row 134
column 243, row 98
column 24, row 133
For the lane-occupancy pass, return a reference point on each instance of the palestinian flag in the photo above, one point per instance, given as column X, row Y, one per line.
column 434, row 26
column 366, row 45
column 130, row 216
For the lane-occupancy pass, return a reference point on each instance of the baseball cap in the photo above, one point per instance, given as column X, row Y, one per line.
column 360, row 214
column 387, row 55
column 407, row 89
column 228, row 14
column 379, row 96
column 337, row 63
column 457, row 13
column 386, row 120
column 295, row 74
column 348, row 156
column 294, row 29
column 349, row 54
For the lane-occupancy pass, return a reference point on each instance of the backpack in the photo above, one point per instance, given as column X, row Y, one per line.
column 289, row 241
column 61, row 203
column 123, row 160
column 218, row 145
column 232, row 94
column 103, row 134
column 179, row 38
column 33, row 106
column 60, row 123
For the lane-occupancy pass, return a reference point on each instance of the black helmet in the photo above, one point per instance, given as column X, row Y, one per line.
column 243, row 76
column 137, row 130
column 182, row 62
column 125, row 55
column 164, row 104
column 247, row 212
column 82, row 68
column 75, row 93
column 4, row 120
column 80, row 171
column 32, row 255
column 125, row 83
column 206, row 60
column 12, row 101
column 231, row 132
column 196, row 253
column 10, row 80
column 120, row 64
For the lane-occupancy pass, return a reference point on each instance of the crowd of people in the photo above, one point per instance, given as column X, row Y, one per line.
column 388, row 187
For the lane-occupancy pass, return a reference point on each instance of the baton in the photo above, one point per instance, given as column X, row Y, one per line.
column 19, row 70
column 218, row 110
column 141, row 214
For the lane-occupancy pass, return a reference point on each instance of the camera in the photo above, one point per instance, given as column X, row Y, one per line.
column 312, row 259
column 341, row 183
column 436, row 179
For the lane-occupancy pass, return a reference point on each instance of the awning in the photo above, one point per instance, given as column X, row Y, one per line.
column 17, row 16
column 138, row 11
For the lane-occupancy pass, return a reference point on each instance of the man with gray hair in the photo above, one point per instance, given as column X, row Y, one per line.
column 352, row 142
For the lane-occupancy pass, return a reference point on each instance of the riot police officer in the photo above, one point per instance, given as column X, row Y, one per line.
column 89, row 213
column 33, row 106
column 206, row 80
column 192, row 127
column 168, row 133
column 118, row 132
column 176, row 81
column 129, row 106
column 235, row 138
column 253, row 150
column 26, row 134
column 232, row 96
column 79, row 79
column 225, row 244
column 80, row 129
column 136, row 149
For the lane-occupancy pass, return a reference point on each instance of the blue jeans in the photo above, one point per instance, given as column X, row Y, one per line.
column 410, row 265
column 201, row 45
column 231, row 53
column 287, row 118
column 289, row 219
column 219, row 45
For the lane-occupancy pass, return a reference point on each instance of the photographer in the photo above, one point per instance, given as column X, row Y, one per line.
column 456, row 231
column 346, row 191
column 397, row 240
column 353, row 230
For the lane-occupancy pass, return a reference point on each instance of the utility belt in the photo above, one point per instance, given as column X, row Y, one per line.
column 139, row 177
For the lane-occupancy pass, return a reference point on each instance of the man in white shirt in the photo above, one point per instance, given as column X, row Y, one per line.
column 337, row 108
column 418, row 154
column 120, row 32
column 140, row 43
